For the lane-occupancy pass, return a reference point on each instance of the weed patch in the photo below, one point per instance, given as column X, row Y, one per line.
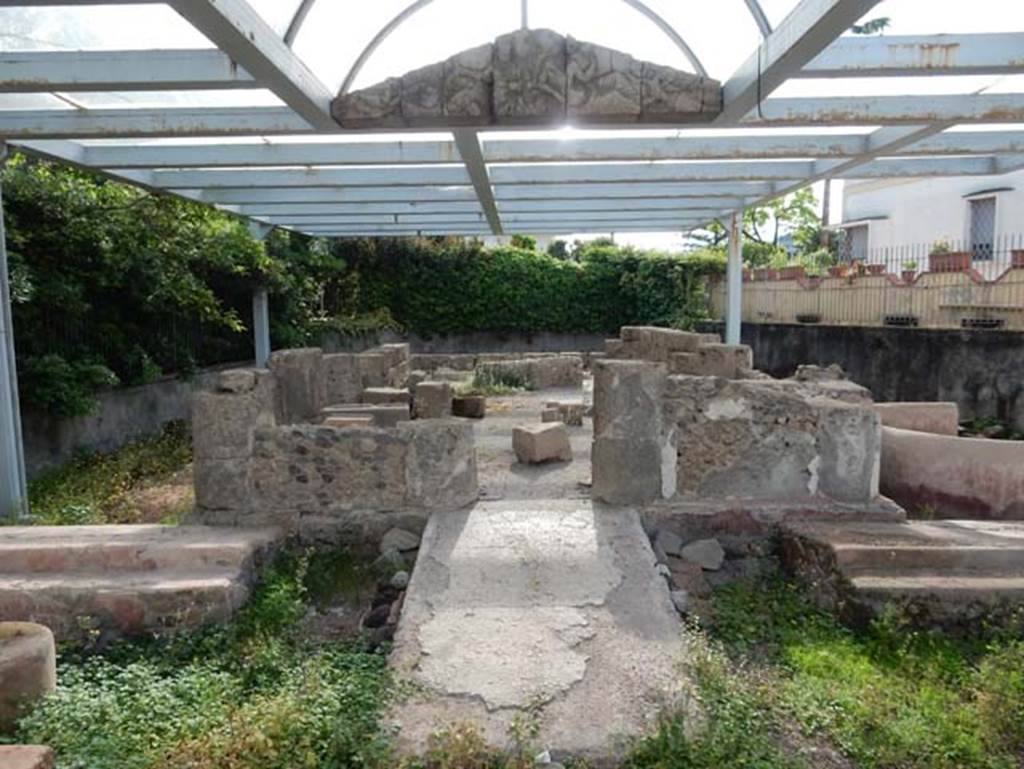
column 102, row 488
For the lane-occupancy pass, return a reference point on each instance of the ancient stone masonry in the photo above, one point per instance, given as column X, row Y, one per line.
column 538, row 373
column 264, row 454
column 665, row 436
column 533, row 77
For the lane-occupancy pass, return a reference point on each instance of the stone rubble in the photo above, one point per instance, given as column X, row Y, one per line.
column 535, row 444
column 28, row 669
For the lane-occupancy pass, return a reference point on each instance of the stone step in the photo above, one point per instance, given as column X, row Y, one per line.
column 122, row 603
column 856, row 560
column 127, row 580
column 143, row 548
column 944, row 599
column 942, row 573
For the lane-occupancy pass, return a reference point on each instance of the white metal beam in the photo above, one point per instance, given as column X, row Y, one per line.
column 240, row 32
column 890, row 110
column 468, row 143
column 420, row 176
column 563, row 173
column 917, row 55
column 258, row 154
column 616, row 191
column 805, row 32
column 169, row 121
column 184, row 70
column 282, row 195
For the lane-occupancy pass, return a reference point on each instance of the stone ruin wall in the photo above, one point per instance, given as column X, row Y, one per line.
column 262, row 456
column 680, row 417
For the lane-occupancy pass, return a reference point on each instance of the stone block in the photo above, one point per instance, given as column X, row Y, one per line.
column 468, row 82
column 529, row 77
column 379, row 105
column 236, row 380
column 26, row 757
column 423, row 95
column 222, row 422
column 399, row 539
column 602, row 82
column 28, row 669
column 706, row 553
column 534, row 444
column 569, row 413
column 386, row 395
column 301, row 392
column 556, row 371
column 941, row 418
column 433, row 400
column 673, row 95
column 726, row 360
column 627, row 470
column 614, row 348
column 373, row 369
column 551, row 415
column 469, row 406
column 342, row 378
column 349, row 421
column 849, row 447
column 382, row 415
column 627, row 398
column 440, row 469
column 223, row 484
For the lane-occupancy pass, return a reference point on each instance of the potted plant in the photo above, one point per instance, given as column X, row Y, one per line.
column 791, row 272
column 837, row 271
column 876, row 269
column 909, row 271
column 942, row 258
column 1017, row 257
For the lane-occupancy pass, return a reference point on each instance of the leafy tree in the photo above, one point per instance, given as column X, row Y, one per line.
column 525, row 242
column 872, row 27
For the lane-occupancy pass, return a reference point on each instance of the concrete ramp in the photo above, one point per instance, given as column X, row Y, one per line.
column 553, row 607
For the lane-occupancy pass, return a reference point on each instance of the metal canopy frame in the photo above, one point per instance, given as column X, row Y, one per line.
column 320, row 179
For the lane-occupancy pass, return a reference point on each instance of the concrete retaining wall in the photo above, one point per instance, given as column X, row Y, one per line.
column 937, row 418
column 981, row 371
column 949, row 477
column 122, row 416
column 474, row 342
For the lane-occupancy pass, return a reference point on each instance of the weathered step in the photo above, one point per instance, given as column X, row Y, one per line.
column 138, row 548
column 856, row 560
column 124, row 603
column 943, row 598
column 943, row 573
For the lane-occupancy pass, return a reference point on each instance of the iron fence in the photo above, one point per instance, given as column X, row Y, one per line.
column 958, row 284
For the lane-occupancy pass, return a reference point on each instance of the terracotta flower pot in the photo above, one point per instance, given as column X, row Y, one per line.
column 835, row 272
column 761, row 273
column 876, row 269
column 1017, row 257
column 908, row 275
column 791, row 273
column 953, row 261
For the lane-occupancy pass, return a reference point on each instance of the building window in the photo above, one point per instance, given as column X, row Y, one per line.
column 854, row 245
column 983, row 227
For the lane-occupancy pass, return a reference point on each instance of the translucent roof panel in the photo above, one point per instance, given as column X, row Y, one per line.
column 96, row 27
column 277, row 13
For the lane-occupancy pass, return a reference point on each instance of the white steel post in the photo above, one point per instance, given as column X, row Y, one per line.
column 13, row 487
column 260, row 305
column 261, row 326
column 734, row 279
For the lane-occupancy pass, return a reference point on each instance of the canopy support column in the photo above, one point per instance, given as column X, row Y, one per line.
column 734, row 279
column 13, row 486
column 260, row 306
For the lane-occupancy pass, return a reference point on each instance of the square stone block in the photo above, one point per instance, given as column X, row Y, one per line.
column 433, row 400
column 385, row 395
column 534, row 444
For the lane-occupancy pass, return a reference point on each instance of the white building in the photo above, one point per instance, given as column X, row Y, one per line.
column 887, row 220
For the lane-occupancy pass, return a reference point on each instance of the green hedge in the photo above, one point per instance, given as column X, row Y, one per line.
column 442, row 287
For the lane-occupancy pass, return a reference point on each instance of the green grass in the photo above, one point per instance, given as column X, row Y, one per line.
column 258, row 693
column 887, row 697
column 495, row 380
column 97, row 488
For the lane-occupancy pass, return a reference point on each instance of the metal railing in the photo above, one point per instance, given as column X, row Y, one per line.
column 955, row 285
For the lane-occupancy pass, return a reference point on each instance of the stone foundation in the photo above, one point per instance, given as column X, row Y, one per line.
column 539, row 373
column 732, row 436
column 262, row 455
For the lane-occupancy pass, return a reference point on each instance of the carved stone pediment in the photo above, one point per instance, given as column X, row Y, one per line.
column 533, row 77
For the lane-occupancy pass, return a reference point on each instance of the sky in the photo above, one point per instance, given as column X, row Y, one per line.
column 721, row 33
